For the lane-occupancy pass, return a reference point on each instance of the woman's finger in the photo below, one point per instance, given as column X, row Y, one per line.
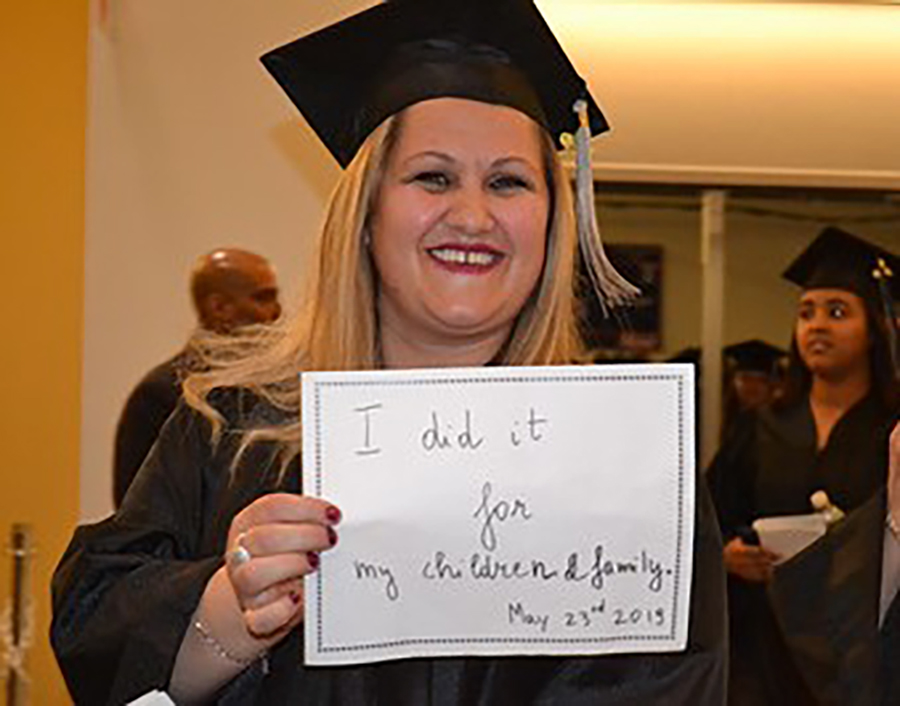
column 277, row 508
column 277, row 616
column 285, row 538
column 260, row 574
column 270, row 595
column 770, row 556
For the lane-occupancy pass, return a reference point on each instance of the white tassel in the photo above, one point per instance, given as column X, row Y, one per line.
column 612, row 288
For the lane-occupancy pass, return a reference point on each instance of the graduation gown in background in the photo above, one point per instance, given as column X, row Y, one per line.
column 126, row 588
column 148, row 407
column 769, row 465
column 826, row 600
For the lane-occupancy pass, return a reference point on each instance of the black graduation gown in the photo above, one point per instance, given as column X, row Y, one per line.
column 125, row 589
column 148, row 407
column 768, row 466
column 826, row 600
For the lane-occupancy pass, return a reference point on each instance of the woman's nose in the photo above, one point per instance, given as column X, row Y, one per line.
column 818, row 320
column 470, row 212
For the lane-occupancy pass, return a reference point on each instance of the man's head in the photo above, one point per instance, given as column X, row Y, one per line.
column 232, row 288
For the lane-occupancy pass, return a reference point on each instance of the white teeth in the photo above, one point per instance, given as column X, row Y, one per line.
column 479, row 258
column 464, row 257
column 447, row 255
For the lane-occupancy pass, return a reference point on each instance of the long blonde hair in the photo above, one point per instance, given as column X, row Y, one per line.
column 336, row 327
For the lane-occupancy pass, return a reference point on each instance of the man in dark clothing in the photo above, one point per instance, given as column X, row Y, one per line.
column 230, row 288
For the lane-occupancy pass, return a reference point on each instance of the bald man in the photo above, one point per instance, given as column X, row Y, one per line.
column 233, row 288
column 230, row 288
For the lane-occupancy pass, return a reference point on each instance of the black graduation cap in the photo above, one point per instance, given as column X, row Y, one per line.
column 691, row 354
column 837, row 259
column 754, row 356
column 349, row 77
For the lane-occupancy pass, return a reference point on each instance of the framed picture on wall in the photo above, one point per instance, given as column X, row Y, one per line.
column 632, row 332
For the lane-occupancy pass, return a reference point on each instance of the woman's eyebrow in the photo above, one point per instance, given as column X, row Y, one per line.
column 434, row 154
column 830, row 300
column 498, row 163
column 503, row 161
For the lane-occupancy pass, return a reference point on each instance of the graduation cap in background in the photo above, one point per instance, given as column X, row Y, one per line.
column 690, row 355
column 837, row 259
column 347, row 78
column 755, row 356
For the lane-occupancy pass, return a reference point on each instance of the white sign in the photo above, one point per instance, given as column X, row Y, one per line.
column 501, row 511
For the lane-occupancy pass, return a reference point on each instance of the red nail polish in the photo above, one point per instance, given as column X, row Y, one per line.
column 313, row 560
column 332, row 514
column 332, row 536
column 296, row 597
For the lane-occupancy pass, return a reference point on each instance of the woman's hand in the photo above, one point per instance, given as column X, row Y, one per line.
column 749, row 562
column 272, row 544
column 256, row 599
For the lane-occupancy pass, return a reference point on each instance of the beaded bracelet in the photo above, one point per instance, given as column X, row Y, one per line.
column 217, row 647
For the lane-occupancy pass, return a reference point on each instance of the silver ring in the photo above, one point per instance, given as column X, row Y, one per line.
column 240, row 555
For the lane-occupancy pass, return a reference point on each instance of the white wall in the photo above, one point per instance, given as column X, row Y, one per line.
column 191, row 145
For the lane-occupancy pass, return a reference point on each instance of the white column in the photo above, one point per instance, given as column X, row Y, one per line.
column 713, row 261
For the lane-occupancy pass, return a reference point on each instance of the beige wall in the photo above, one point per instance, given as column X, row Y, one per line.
column 191, row 146
column 42, row 88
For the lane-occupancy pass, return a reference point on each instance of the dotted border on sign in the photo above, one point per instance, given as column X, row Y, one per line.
column 614, row 377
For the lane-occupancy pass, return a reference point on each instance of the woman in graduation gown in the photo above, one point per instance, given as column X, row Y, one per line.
column 829, row 433
column 450, row 240
column 753, row 375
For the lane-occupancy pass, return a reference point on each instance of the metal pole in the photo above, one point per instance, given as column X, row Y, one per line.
column 20, row 548
column 713, row 261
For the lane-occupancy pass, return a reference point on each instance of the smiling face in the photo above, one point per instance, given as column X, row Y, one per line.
column 832, row 332
column 458, row 231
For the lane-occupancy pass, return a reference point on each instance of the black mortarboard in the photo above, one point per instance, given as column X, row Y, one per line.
column 690, row 355
column 754, row 356
column 349, row 77
column 837, row 259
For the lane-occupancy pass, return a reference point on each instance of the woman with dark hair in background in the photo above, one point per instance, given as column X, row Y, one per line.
column 829, row 432
column 753, row 378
